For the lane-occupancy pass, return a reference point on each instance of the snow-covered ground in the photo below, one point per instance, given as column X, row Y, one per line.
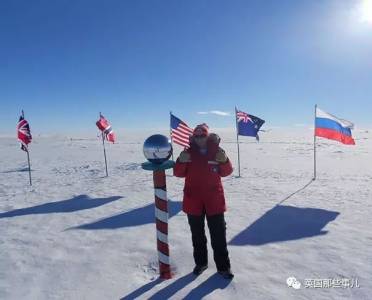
column 76, row 234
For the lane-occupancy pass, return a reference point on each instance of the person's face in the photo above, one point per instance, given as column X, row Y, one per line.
column 201, row 141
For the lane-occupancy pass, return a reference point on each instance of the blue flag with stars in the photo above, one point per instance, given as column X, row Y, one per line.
column 248, row 125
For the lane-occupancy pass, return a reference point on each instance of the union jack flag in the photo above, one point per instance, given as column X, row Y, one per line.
column 106, row 128
column 24, row 133
column 180, row 132
column 242, row 116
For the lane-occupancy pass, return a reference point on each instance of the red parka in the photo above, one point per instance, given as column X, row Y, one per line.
column 203, row 191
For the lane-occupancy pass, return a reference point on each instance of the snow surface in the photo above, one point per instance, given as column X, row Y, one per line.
column 76, row 234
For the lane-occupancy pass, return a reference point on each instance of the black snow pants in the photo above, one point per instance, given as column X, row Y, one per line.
column 217, row 230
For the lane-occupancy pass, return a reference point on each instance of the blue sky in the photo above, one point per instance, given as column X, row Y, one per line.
column 64, row 61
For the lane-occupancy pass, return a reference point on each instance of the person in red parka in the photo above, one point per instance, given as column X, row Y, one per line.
column 203, row 165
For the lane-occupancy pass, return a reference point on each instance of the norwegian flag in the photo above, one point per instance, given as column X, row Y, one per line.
column 180, row 131
column 106, row 129
column 24, row 133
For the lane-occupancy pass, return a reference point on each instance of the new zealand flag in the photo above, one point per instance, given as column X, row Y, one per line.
column 248, row 125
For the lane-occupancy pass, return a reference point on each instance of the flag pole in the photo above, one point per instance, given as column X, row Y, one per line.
column 29, row 165
column 237, row 140
column 28, row 156
column 104, row 149
column 315, row 143
column 170, row 130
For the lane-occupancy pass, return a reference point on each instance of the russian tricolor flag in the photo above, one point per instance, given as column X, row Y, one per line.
column 333, row 128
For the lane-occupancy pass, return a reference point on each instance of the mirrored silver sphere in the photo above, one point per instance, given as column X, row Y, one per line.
column 157, row 148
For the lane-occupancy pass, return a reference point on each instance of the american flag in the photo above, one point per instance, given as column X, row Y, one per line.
column 106, row 128
column 180, row 132
column 24, row 133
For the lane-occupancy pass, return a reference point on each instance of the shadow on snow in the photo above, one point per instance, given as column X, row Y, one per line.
column 25, row 169
column 285, row 223
column 77, row 203
column 139, row 216
column 213, row 283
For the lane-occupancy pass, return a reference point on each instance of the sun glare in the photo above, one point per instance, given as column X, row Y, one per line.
column 366, row 11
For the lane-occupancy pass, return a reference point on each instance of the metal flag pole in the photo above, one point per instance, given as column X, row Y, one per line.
column 28, row 155
column 29, row 165
column 237, row 139
column 104, row 149
column 315, row 143
column 170, row 130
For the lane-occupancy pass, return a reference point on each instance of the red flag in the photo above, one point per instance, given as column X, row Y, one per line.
column 106, row 128
column 24, row 133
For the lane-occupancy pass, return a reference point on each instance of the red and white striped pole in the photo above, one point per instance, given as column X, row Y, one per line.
column 161, row 214
column 158, row 149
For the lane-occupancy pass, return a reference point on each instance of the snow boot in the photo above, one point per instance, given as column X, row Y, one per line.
column 199, row 269
column 227, row 274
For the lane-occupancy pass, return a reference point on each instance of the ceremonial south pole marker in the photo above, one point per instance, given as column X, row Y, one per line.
column 158, row 149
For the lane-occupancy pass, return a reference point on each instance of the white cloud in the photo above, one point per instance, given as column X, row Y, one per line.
column 215, row 112
column 220, row 113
